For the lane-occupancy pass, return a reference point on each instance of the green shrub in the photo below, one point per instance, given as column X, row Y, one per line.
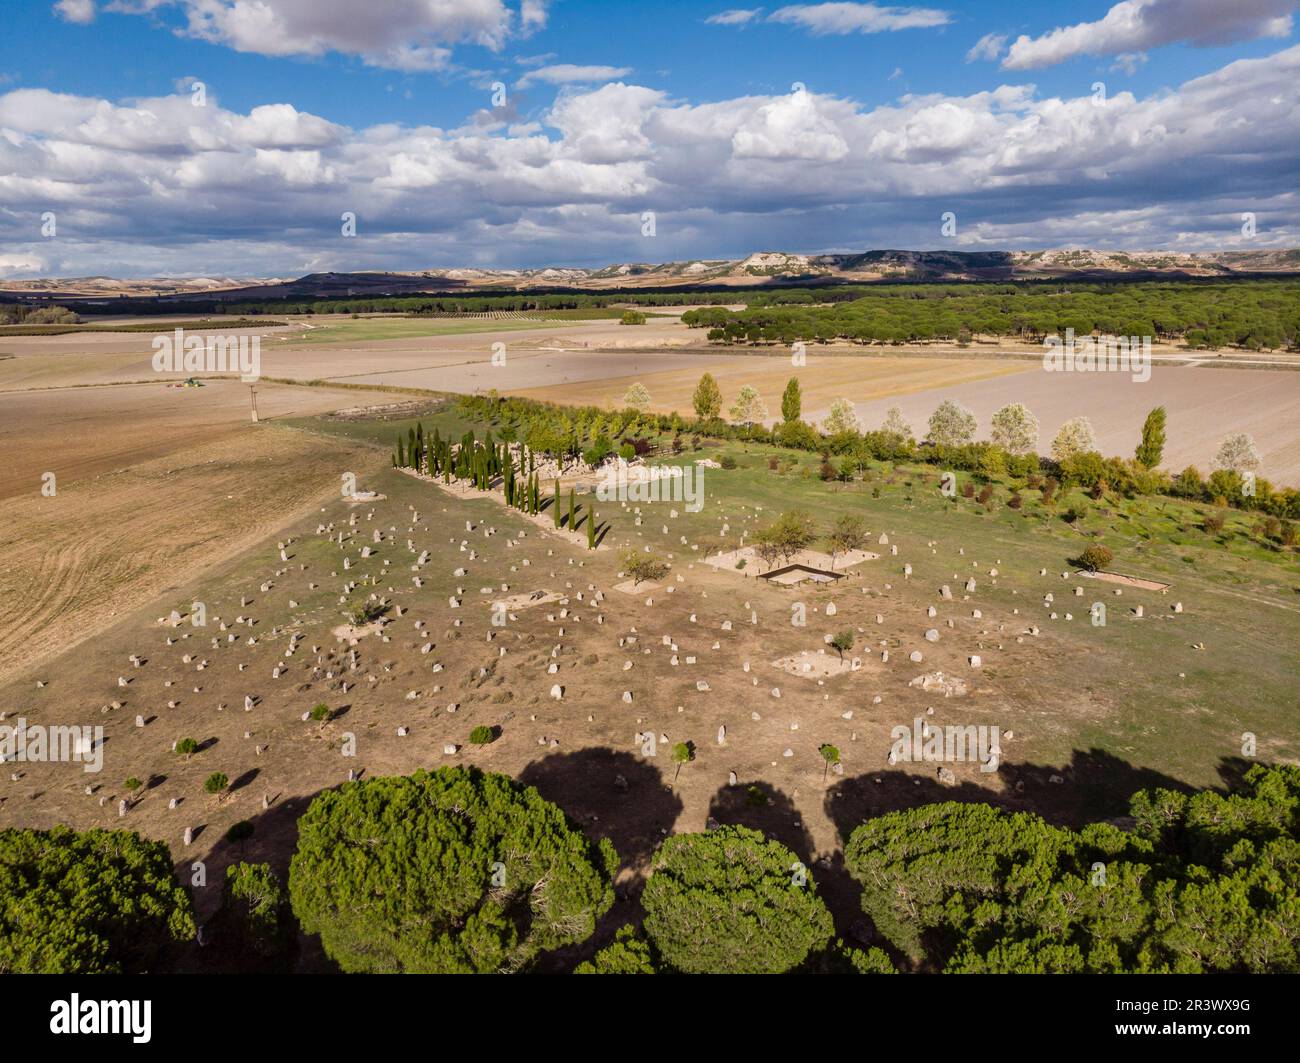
column 1095, row 557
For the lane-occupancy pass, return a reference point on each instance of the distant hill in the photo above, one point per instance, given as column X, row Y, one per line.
column 760, row 268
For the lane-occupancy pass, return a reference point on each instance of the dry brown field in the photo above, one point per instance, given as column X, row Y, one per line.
column 152, row 485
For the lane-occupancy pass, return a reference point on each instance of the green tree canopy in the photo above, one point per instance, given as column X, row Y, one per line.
column 98, row 902
column 707, row 399
column 454, row 870
column 731, row 901
column 1203, row 883
column 792, row 400
column 1152, row 447
column 641, row 566
column 255, row 918
column 628, row 953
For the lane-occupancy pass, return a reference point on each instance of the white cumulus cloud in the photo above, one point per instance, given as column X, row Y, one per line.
column 737, row 16
column 569, row 73
column 1136, row 25
column 155, row 185
column 406, row 35
column 79, row 11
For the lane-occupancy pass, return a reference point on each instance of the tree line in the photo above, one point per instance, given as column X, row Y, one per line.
column 949, row 443
column 458, row 870
column 1248, row 313
column 487, row 464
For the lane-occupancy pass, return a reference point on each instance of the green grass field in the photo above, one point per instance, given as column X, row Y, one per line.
column 365, row 329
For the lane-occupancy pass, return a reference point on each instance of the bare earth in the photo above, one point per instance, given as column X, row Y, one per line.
column 73, row 563
column 78, row 433
column 1204, row 406
column 596, row 362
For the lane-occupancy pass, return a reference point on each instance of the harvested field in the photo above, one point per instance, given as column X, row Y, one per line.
column 106, row 544
column 824, row 379
column 1204, row 406
column 78, row 433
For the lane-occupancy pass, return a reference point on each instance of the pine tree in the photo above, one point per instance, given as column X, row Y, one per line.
column 573, row 508
column 591, row 528
column 555, row 506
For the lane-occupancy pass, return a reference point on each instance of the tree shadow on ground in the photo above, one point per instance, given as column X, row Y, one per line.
column 762, row 807
column 1094, row 786
column 273, row 841
column 635, row 815
column 1232, row 770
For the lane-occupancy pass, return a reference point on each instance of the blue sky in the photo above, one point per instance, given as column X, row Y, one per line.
column 618, row 107
column 666, row 45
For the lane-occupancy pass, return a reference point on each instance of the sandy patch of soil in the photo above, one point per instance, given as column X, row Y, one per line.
column 632, row 587
column 354, row 633
column 809, row 665
column 523, row 601
column 1125, row 581
column 949, row 685
column 754, row 565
